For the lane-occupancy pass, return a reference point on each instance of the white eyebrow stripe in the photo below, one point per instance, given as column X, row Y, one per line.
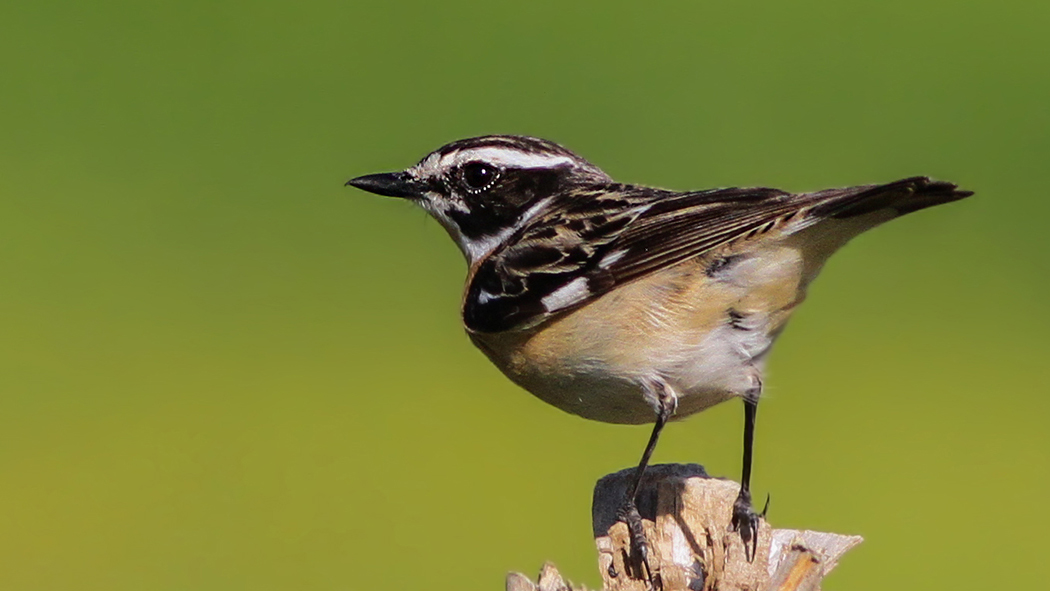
column 508, row 157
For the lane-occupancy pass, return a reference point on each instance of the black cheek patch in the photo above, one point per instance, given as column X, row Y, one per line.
column 475, row 223
column 502, row 206
column 526, row 186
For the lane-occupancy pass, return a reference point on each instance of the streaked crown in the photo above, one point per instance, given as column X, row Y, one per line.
column 481, row 189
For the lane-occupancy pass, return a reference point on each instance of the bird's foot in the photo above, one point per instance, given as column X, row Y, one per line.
column 639, row 545
column 745, row 522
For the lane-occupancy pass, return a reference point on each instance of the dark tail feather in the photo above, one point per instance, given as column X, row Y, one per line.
column 904, row 196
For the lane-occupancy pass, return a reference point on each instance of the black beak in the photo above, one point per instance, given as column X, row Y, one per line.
column 390, row 184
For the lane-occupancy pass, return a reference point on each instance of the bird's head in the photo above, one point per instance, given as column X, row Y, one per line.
column 482, row 189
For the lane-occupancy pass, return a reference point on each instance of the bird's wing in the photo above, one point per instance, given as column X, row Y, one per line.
column 577, row 251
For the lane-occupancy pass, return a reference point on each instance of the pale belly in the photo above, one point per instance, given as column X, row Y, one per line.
column 702, row 329
column 704, row 334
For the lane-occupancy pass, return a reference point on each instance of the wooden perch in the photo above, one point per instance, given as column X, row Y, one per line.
column 686, row 517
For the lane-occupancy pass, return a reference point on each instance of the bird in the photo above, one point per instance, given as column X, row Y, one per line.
column 630, row 304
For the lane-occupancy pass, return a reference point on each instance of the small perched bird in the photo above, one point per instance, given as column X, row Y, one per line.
column 630, row 304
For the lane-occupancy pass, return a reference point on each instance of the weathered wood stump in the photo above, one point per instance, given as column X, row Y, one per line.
column 686, row 516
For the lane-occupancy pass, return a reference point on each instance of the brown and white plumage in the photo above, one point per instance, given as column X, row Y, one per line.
column 630, row 304
column 691, row 287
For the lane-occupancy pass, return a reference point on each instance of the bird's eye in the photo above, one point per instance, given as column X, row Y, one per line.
column 478, row 176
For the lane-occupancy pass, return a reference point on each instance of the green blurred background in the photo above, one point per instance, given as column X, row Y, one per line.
column 220, row 369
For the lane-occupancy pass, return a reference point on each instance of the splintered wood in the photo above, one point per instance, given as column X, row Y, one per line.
column 686, row 516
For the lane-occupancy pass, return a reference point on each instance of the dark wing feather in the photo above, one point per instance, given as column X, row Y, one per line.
column 580, row 249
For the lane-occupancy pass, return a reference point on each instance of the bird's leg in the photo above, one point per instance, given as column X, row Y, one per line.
column 666, row 404
column 745, row 521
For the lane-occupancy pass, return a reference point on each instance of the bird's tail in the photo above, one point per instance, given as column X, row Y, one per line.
column 835, row 216
column 903, row 196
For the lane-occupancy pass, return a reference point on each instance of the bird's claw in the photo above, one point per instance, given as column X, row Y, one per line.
column 746, row 522
column 639, row 545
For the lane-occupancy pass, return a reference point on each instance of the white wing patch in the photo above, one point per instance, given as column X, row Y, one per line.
column 611, row 258
column 570, row 293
